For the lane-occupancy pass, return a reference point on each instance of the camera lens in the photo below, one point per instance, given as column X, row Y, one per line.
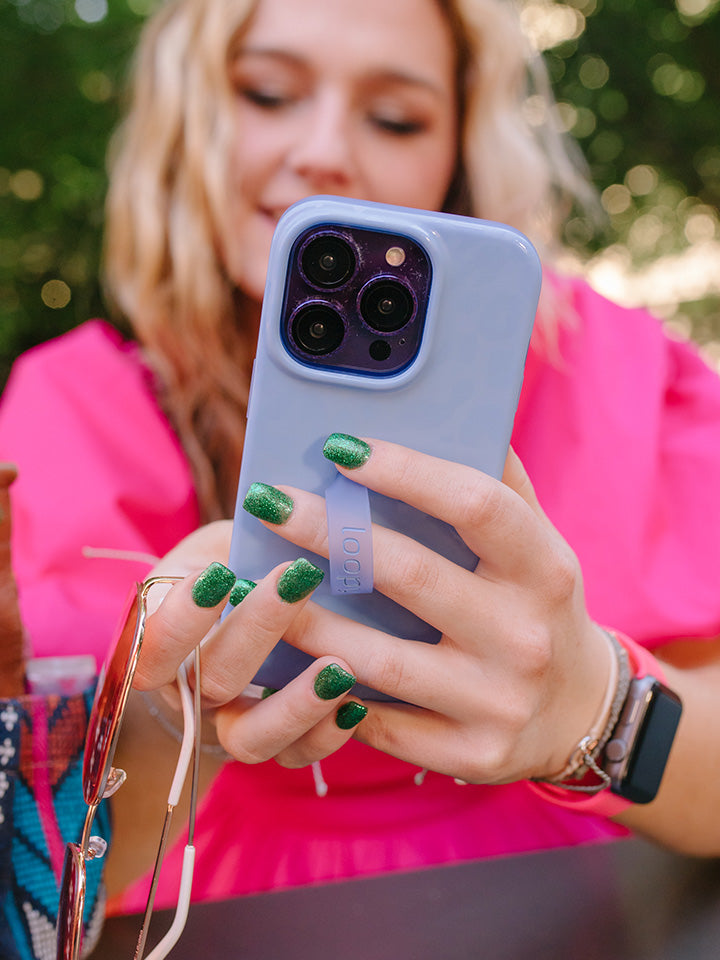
column 386, row 305
column 318, row 329
column 328, row 261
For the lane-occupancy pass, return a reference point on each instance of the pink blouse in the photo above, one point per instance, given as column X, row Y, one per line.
column 621, row 437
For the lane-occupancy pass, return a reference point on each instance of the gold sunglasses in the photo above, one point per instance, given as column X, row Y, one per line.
column 101, row 780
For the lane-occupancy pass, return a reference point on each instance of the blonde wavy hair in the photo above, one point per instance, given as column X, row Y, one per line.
column 165, row 214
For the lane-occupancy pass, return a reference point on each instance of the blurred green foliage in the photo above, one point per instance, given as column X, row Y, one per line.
column 61, row 78
column 637, row 82
column 639, row 88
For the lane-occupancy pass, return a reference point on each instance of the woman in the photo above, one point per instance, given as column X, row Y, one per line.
column 241, row 109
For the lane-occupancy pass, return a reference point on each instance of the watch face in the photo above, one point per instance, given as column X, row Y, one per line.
column 648, row 749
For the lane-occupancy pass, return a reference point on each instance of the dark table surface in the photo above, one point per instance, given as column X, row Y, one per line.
column 620, row 901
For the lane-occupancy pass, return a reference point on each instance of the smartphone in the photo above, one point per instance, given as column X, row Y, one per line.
column 405, row 325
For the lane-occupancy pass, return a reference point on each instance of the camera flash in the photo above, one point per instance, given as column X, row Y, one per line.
column 395, row 256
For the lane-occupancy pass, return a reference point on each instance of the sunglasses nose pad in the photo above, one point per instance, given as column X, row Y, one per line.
column 97, row 847
column 116, row 778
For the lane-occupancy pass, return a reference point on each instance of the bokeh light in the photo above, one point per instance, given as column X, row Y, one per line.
column 549, row 24
column 91, row 11
column 55, row 294
column 26, row 184
column 658, row 175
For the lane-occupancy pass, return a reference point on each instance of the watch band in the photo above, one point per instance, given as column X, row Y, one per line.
column 642, row 661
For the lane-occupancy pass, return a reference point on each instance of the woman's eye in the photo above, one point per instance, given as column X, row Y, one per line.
column 398, row 127
column 267, row 99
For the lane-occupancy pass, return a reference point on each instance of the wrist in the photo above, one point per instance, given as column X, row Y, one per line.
column 582, row 764
column 630, row 766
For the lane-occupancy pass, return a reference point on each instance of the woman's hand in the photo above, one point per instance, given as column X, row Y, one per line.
column 304, row 722
column 520, row 672
column 515, row 682
column 309, row 718
column 513, row 685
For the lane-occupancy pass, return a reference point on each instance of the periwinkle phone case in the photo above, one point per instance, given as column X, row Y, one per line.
column 438, row 367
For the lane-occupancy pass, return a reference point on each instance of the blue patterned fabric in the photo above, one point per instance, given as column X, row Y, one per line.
column 41, row 809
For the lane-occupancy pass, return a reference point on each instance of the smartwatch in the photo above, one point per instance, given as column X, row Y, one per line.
column 635, row 756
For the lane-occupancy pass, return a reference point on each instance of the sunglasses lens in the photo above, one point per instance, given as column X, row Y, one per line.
column 110, row 699
column 72, row 901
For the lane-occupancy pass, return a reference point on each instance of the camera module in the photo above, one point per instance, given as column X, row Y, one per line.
column 328, row 261
column 318, row 329
column 355, row 299
column 386, row 305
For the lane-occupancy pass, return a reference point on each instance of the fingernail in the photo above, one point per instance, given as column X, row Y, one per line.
column 268, row 503
column 300, row 579
column 212, row 585
column 241, row 589
column 350, row 714
column 346, row 451
column 332, row 681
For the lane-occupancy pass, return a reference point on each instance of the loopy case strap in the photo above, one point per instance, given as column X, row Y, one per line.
column 349, row 537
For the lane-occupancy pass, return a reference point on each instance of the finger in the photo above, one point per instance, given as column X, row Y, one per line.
column 416, row 736
column 234, row 651
column 431, row 586
column 494, row 520
column 438, row 743
column 516, row 478
column 255, row 733
column 325, row 737
column 186, row 614
column 437, row 677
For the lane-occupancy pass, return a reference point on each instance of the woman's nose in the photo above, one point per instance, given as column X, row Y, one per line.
column 322, row 152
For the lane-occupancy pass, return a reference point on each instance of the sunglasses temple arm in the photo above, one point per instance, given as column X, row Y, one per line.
column 173, row 935
column 197, row 702
column 187, row 750
column 188, row 741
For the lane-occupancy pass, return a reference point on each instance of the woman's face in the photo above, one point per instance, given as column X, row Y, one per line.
column 348, row 97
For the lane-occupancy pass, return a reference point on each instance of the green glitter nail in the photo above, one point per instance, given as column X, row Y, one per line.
column 268, row 503
column 241, row 589
column 299, row 580
column 346, row 451
column 212, row 585
column 333, row 681
column 350, row 714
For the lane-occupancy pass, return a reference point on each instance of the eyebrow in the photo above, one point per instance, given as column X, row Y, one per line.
column 390, row 76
